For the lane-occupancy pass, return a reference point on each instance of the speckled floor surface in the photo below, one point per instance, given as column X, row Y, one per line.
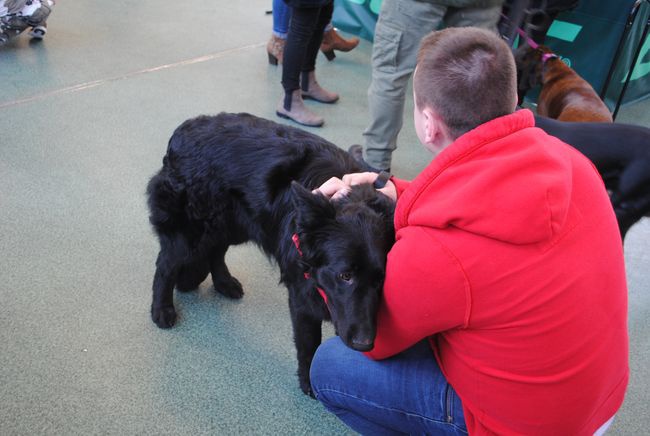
column 84, row 119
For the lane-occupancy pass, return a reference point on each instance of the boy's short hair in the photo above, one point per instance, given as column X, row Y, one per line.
column 467, row 75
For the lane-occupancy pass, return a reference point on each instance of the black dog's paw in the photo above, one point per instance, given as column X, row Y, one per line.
column 230, row 288
column 305, row 387
column 164, row 317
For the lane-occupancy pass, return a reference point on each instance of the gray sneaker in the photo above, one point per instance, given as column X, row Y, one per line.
column 38, row 32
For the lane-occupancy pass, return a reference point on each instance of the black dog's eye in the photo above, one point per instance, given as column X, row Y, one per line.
column 345, row 276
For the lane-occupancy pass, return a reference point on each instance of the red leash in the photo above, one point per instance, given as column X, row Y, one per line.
column 296, row 242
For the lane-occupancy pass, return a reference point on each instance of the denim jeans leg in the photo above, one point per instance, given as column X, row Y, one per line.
column 281, row 18
column 406, row 393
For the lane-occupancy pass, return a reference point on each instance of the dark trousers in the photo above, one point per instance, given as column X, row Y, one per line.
column 303, row 41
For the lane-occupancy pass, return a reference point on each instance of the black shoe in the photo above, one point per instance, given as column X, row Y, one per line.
column 356, row 151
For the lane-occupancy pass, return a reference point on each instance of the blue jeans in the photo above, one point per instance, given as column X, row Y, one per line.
column 406, row 393
column 281, row 18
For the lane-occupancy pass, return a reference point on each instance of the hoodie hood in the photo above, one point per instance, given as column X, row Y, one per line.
column 498, row 181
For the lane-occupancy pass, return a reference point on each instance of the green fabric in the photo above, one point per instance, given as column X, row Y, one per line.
column 357, row 16
column 466, row 3
column 360, row 16
column 585, row 38
column 564, row 31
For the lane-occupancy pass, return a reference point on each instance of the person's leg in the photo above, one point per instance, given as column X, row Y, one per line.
column 13, row 26
column 301, row 29
column 486, row 18
column 38, row 16
column 281, row 18
column 308, row 83
column 4, row 38
column 406, row 393
column 332, row 40
column 38, row 32
column 401, row 26
column 324, row 17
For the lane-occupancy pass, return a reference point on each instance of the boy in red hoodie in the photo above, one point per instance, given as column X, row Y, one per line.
column 505, row 302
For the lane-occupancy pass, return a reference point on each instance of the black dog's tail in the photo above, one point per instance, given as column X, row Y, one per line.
column 166, row 202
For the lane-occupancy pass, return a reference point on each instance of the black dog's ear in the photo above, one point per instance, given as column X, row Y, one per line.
column 529, row 71
column 311, row 209
column 383, row 205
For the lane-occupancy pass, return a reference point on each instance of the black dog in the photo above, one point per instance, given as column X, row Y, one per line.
column 232, row 178
column 621, row 153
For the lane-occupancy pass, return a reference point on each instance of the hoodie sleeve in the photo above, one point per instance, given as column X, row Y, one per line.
column 400, row 185
column 425, row 292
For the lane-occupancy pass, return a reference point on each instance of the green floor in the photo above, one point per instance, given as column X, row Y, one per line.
column 85, row 117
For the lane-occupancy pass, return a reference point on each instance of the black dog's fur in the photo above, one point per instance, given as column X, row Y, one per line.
column 232, row 178
column 621, row 153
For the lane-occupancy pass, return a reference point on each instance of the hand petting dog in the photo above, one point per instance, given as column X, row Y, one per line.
column 336, row 188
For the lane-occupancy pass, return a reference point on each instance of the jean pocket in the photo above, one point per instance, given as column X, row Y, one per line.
column 449, row 404
column 454, row 415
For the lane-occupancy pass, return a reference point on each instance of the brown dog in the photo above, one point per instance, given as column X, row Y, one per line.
column 564, row 96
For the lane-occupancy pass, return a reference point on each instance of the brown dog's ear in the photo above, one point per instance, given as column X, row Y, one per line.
column 311, row 210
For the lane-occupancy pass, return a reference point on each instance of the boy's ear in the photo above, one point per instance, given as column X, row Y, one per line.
column 312, row 210
column 429, row 126
column 433, row 127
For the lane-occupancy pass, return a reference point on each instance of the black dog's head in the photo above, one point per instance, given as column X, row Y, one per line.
column 344, row 245
column 529, row 68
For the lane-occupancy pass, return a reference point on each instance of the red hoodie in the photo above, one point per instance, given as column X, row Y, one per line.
column 509, row 259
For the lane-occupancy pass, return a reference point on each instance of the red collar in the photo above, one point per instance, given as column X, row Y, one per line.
column 296, row 242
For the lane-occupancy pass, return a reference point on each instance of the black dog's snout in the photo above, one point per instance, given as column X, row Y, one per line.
column 362, row 344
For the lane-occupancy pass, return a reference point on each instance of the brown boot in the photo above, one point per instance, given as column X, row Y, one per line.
column 333, row 41
column 293, row 107
column 275, row 49
column 311, row 89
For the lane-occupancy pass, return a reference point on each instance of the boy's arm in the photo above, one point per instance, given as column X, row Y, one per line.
column 400, row 185
column 425, row 292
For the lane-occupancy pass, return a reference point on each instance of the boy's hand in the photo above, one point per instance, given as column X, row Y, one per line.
column 336, row 188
